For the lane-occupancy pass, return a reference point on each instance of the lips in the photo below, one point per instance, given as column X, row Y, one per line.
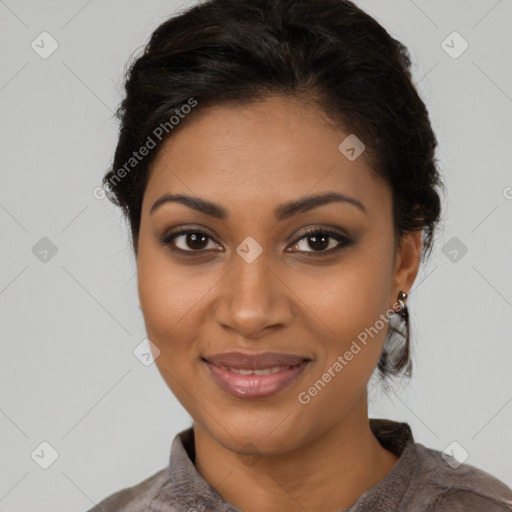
column 254, row 375
column 260, row 361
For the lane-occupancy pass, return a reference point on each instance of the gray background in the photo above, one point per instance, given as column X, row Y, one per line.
column 69, row 324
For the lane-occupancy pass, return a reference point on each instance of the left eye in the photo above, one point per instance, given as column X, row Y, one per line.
column 318, row 240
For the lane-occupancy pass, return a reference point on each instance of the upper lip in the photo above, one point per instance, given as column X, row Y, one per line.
column 254, row 361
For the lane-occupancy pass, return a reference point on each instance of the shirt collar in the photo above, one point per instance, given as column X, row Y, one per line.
column 191, row 490
column 187, row 483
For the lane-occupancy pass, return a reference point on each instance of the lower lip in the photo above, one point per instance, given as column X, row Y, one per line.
column 254, row 386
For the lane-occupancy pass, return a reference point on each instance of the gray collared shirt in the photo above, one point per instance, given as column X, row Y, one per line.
column 421, row 481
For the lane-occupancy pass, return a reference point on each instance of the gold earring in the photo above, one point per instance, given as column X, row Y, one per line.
column 402, row 296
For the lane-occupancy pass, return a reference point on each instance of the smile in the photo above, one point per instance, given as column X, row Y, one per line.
column 251, row 383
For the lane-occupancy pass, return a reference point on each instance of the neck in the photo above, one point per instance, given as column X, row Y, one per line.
column 329, row 473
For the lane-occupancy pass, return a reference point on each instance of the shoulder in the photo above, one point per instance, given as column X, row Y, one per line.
column 460, row 500
column 443, row 488
column 134, row 498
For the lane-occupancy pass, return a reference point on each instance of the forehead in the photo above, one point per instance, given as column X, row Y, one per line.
column 268, row 151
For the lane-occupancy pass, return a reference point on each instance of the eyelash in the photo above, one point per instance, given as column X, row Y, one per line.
column 345, row 242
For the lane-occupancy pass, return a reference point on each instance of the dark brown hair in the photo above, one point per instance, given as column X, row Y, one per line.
column 328, row 52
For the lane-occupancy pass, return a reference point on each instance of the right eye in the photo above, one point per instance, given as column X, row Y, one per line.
column 191, row 241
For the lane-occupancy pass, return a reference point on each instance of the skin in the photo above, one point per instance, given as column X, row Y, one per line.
column 272, row 454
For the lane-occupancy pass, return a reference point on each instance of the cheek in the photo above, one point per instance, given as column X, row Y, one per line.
column 168, row 297
column 350, row 303
column 167, row 291
column 349, row 297
column 172, row 299
column 169, row 300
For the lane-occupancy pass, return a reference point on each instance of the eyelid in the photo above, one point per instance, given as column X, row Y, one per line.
column 170, row 236
column 343, row 240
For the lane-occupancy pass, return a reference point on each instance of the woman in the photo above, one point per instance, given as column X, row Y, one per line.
column 277, row 168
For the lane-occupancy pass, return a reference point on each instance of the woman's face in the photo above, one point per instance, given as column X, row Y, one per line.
column 258, row 282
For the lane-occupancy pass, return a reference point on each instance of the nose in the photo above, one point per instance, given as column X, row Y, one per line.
column 252, row 299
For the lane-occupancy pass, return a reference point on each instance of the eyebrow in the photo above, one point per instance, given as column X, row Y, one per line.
column 282, row 212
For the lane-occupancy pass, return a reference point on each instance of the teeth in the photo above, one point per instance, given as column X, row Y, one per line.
column 241, row 371
column 264, row 371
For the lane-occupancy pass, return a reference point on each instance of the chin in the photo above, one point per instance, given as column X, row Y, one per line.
column 246, row 434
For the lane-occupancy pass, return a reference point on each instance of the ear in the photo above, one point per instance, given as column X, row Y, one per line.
column 407, row 262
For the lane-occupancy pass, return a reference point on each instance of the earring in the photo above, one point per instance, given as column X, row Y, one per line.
column 402, row 296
